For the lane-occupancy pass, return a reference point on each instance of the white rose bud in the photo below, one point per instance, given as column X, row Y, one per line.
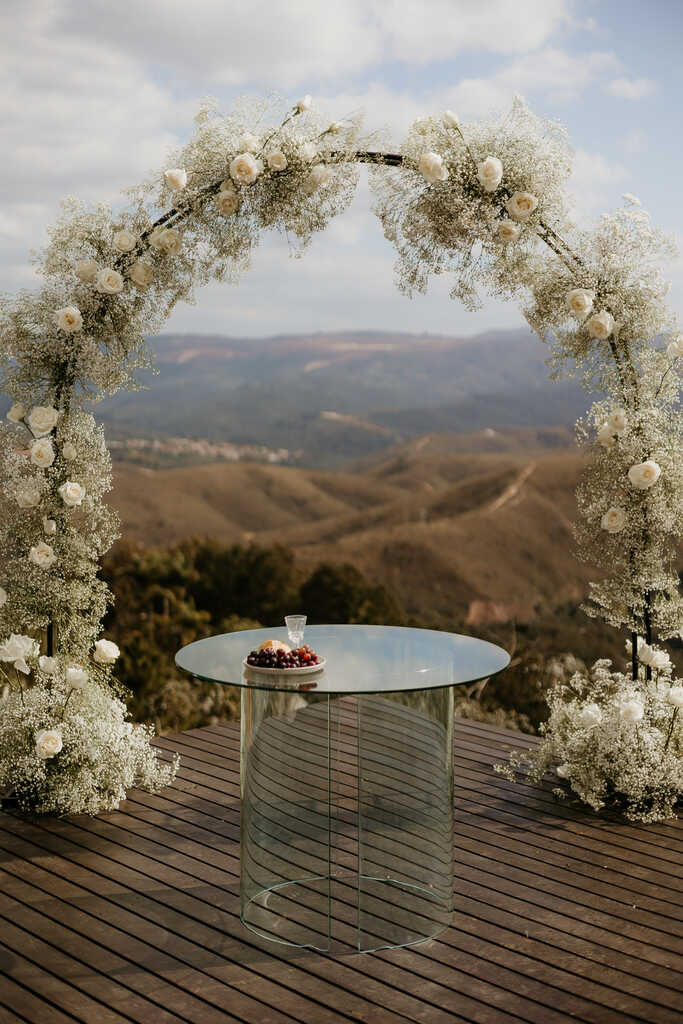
column 614, row 520
column 675, row 349
column 675, row 697
column 176, row 177
column 589, row 716
column 42, row 452
column 450, row 119
column 49, row 526
column 69, row 451
column 76, row 677
column 170, row 241
column 490, row 173
column 48, row 666
column 42, row 419
column 125, row 241
column 509, row 231
column 431, row 167
column 645, row 652
column 42, row 555
column 16, row 413
column 335, row 127
column 106, row 652
column 48, row 742
column 304, row 103
column 631, row 711
column 19, row 647
column 521, row 205
column 580, row 302
column 660, row 661
column 28, row 494
column 618, row 421
column 3, row 596
column 605, row 435
column 563, row 771
column 644, row 475
column 319, row 175
column 141, row 274
column 308, row 152
column 601, row 325
column 227, row 202
column 249, row 143
column 245, row 169
column 71, row 493
column 86, row 271
column 69, row 319
column 109, row 281
column 277, row 161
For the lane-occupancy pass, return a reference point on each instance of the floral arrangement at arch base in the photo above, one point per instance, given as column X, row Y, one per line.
column 483, row 202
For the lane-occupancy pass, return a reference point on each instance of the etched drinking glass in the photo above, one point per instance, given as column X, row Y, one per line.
column 295, row 629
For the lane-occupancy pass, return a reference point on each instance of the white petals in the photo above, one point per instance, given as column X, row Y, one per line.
column 3, row 596
column 28, row 494
column 49, row 526
column 645, row 474
column 319, row 175
column 431, row 167
column 71, row 493
column 521, row 205
column 631, row 711
column 450, row 119
column 304, row 103
column 618, row 421
column 48, row 742
column 69, row 452
column 42, row 419
column 109, row 281
column 227, row 202
column 580, row 301
column 250, row 143
column 509, row 231
column 490, row 173
column 49, row 666
column 69, row 319
column 675, row 349
column 600, row 325
column 675, row 697
column 86, row 271
column 141, row 274
column 176, row 177
column 76, row 677
column 277, row 161
column 42, row 452
column 245, row 169
column 42, row 555
column 166, row 241
column 614, row 520
column 125, row 241
column 106, row 652
column 16, row 413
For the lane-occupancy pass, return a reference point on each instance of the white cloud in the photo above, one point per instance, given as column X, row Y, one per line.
column 630, row 88
column 595, row 184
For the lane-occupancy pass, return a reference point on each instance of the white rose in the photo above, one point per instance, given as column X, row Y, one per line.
column 631, row 710
column 86, row 271
column 68, row 319
column 304, row 103
column 42, row 419
column 166, row 240
column 490, row 173
column 49, row 526
column 106, row 652
column 450, row 119
column 3, row 596
column 76, row 677
column 125, row 241
column 645, row 474
column 277, row 161
column 645, row 652
column 245, row 169
column 605, row 435
column 16, row 413
column 18, row 648
column 431, row 167
column 227, row 202
column 141, row 274
column 563, row 771
column 521, row 205
column 42, row 555
column 618, row 421
column 308, row 152
column 508, row 231
column 176, row 177
column 675, row 349
column 589, row 716
column 109, row 281
column 319, row 175
column 42, row 452
column 49, row 666
column 69, row 451
column 660, row 661
column 71, row 493
column 614, row 519
column 335, row 127
column 580, row 301
column 675, row 697
column 601, row 325
column 48, row 742
column 28, row 494
column 249, row 143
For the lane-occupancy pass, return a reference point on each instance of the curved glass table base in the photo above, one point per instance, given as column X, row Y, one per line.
column 346, row 782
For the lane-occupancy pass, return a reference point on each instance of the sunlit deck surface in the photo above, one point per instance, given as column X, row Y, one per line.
column 134, row 916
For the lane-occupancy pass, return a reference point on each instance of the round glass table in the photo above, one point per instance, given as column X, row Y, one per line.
column 346, row 778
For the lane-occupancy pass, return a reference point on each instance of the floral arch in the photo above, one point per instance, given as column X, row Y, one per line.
column 483, row 202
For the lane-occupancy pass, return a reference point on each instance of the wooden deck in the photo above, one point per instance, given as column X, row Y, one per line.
column 134, row 916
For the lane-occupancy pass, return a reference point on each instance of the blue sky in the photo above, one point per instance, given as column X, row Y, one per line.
column 94, row 94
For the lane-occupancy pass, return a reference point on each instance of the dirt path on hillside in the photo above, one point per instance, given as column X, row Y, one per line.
column 513, row 490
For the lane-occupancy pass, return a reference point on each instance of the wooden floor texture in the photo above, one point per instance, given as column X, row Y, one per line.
column 134, row 916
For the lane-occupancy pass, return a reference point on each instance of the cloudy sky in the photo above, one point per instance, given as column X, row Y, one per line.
column 93, row 94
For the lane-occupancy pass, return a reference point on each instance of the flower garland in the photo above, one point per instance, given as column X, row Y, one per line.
column 485, row 202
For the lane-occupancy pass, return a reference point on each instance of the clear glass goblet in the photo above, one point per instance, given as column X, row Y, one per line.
column 295, row 629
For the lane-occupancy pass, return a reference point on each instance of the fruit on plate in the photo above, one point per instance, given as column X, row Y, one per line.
column 269, row 656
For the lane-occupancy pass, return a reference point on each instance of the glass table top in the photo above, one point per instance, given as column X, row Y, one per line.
column 359, row 659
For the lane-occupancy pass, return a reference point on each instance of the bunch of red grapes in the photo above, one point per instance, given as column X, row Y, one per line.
column 268, row 658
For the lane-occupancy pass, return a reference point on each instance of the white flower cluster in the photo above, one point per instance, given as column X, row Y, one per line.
column 618, row 742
